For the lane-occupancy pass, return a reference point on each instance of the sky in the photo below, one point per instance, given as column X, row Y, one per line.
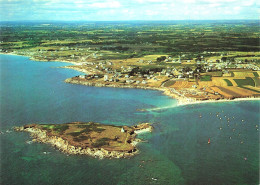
column 118, row 10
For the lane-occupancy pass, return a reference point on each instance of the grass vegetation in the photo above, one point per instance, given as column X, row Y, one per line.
column 86, row 128
column 205, row 78
column 228, row 82
column 246, row 81
column 94, row 135
column 256, row 74
column 101, row 142
column 59, row 128
column 169, row 83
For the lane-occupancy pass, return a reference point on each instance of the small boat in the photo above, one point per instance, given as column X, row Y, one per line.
column 209, row 141
column 29, row 142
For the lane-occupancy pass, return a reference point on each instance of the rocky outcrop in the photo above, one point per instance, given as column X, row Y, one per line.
column 87, row 83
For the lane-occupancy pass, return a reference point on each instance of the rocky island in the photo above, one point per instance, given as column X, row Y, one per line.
column 94, row 139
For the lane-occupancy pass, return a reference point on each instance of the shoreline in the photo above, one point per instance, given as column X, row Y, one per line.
column 182, row 101
column 218, row 101
column 40, row 60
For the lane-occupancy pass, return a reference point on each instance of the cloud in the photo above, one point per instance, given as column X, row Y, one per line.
column 127, row 10
column 108, row 4
column 188, row 1
column 150, row 12
column 215, row 5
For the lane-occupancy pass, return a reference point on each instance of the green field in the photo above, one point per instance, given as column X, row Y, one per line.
column 255, row 74
column 228, row 82
column 169, row 83
column 205, row 78
column 247, row 81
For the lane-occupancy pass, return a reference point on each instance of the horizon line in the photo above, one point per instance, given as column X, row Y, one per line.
column 132, row 20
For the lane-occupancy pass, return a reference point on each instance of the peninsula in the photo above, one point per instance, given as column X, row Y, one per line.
column 93, row 139
column 193, row 63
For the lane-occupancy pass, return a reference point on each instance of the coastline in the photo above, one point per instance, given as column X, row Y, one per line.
column 182, row 100
column 38, row 60
column 217, row 101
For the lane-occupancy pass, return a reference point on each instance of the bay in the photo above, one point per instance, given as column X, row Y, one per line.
column 177, row 152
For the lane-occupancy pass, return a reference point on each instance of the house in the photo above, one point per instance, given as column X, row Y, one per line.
column 163, row 72
column 82, row 76
column 180, row 76
column 194, row 93
column 105, row 78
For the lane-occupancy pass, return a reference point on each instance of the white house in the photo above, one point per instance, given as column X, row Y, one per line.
column 105, row 78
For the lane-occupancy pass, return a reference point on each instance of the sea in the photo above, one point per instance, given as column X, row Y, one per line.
column 176, row 152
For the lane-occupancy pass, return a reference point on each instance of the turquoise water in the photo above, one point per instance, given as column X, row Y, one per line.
column 177, row 152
